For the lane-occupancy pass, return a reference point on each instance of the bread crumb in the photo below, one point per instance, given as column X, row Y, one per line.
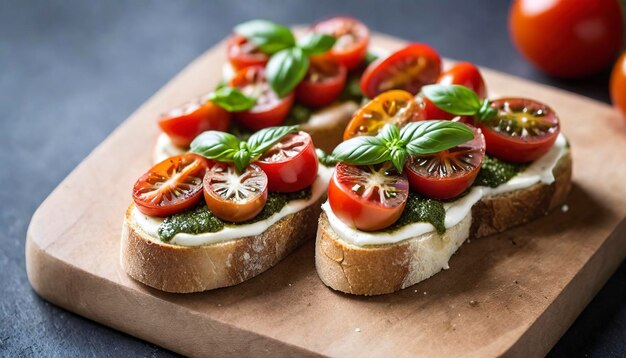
column 219, row 305
column 564, row 208
column 473, row 303
column 357, row 330
column 415, row 291
column 289, row 285
column 459, row 315
column 424, row 292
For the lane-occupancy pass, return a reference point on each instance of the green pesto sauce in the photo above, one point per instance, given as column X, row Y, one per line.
column 200, row 220
column 495, row 172
column 422, row 209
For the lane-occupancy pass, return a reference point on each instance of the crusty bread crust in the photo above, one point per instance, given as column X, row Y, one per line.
column 380, row 269
column 184, row 269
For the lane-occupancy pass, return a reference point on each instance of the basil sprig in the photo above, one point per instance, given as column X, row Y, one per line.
column 225, row 147
column 392, row 144
column 231, row 99
column 459, row 100
column 289, row 60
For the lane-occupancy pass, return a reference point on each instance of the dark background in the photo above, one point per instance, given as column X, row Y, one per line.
column 70, row 72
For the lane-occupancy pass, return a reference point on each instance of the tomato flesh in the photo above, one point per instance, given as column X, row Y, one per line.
column 243, row 53
column 522, row 131
column 323, row 83
column 170, row 186
column 618, row 84
column 368, row 198
column 184, row 123
column 464, row 74
column 408, row 69
column 269, row 110
column 291, row 164
column 395, row 106
column 352, row 40
column 449, row 173
column 567, row 38
column 233, row 196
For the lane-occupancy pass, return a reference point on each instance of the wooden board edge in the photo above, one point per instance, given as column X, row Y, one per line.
column 573, row 299
column 43, row 271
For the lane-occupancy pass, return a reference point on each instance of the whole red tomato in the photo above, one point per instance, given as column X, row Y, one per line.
column 618, row 84
column 567, row 38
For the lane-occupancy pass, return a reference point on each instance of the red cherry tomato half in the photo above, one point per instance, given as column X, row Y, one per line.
column 567, row 38
column 269, row 110
column 243, row 53
column 368, row 198
column 522, row 131
column 323, row 83
column 170, row 186
column 618, row 84
column 352, row 40
column 184, row 123
column 396, row 106
column 464, row 74
column 408, row 69
column 291, row 164
column 233, row 196
column 449, row 173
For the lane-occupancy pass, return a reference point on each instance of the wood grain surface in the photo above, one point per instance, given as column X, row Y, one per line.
column 513, row 293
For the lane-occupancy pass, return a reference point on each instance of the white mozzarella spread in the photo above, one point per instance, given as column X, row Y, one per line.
column 540, row 171
column 150, row 225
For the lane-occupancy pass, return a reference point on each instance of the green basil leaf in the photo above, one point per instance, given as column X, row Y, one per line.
column 286, row 69
column 216, row 145
column 398, row 158
column 455, row 99
column 325, row 159
column 389, row 133
column 362, row 150
column 486, row 112
column 241, row 159
column 315, row 43
column 264, row 139
column 232, row 99
column 269, row 37
column 428, row 137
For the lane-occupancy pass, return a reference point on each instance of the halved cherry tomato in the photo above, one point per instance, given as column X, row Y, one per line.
column 618, row 84
column 522, row 131
column 368, row 198
column 233, row 196
column 243, row 53
column 323, row 82
column 184, row 123
column 291, row 164
column 568, row 38
column 464, row 74
column 396, row 106
column 170, row 186
column 448, row 173
column 352, row 40
column 269, row 110
column 409, row 69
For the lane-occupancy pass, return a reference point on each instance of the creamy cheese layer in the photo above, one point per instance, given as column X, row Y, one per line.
column 150, row 225
column 540, row 171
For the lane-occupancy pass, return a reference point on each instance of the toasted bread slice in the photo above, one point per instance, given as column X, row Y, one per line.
column 184, row 269
column 380, row 269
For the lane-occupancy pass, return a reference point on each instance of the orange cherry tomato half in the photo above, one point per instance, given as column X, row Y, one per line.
column 449, row 173
column 567, row 38
column 368, row 198
column 408, row 69
column 243, row 53
column 184, row 123
column 618, row 84
column 395, row 106
column 170, row 186
column 269, row 110
column 291, row 164
column 322, row 84
column 352, row 40
column 522, row 131
column 464, row 74
column 233, row 196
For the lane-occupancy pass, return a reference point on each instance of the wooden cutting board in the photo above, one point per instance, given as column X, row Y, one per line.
column 514, row 293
